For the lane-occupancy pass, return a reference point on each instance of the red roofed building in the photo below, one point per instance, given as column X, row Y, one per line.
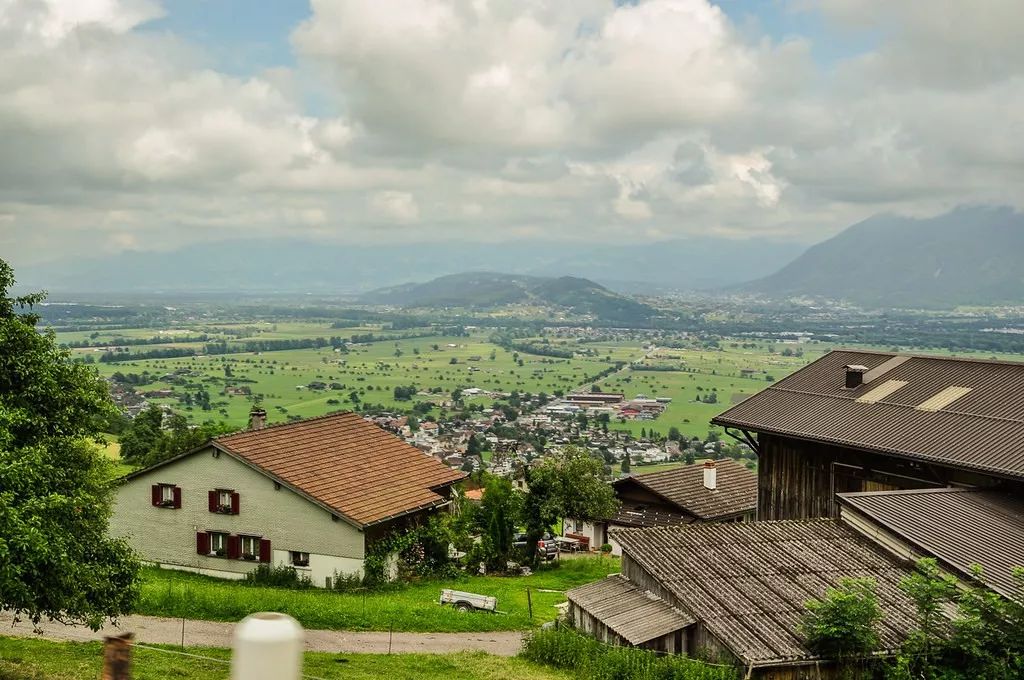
column 310, row 494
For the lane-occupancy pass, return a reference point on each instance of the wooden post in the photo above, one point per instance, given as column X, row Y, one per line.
column 117, row 657
column 529, row 602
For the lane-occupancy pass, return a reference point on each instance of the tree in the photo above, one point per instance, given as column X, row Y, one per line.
column 499, row 509
column 568, row 483
column 842, row 625
column 625, row 464
column 153, row 437
column 55, row 495
column 673, row 434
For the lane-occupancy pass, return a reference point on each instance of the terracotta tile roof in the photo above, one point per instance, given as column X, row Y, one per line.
column 959, row 527
column 749, row 583
column 346, row 463
column 913, row 412
column 633, row 614
column 684, row 487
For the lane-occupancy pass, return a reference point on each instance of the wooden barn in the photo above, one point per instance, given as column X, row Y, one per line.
column 857, row 421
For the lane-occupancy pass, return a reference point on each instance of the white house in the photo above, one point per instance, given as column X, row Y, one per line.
column 311, row 494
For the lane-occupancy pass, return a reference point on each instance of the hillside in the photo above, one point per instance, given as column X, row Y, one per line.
column 488, row 290
column 970, row 256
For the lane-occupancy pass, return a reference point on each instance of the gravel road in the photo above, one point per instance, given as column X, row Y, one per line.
column 159, row 630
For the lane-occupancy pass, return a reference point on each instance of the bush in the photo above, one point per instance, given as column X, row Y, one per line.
column 346, row 583
column 279, row 576
column 588, row 658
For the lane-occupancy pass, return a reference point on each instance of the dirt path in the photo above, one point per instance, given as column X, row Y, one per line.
column 158, row 630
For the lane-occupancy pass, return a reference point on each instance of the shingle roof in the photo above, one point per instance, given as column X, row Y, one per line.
column 748, row 583
column 634, row 516
column 736, row 490
column 981, row 429
column 633, row 614
column 959, row 527
column 346, row 463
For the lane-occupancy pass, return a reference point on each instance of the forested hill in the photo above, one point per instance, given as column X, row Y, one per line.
column 488, row 290
column 971, row 256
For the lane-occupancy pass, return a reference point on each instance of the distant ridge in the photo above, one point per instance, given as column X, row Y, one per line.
column 970, row 256
column 487, row 290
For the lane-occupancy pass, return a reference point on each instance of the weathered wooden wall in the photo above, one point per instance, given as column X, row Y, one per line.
column 799, row 479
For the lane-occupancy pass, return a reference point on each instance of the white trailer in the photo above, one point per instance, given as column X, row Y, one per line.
column 465, row 602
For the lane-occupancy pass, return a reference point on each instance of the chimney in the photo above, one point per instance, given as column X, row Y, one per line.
column 710, row 475
column 855, row 376
column 257, row 418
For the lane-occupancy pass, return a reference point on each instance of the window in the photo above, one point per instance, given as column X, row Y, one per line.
column 218, row 544
column 224, row 501
column 250, row 547
column 166, row 496
column 299, row 559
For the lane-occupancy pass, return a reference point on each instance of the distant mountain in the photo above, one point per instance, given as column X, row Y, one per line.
column 970, row 256
column 488, row 290
column 291, row 266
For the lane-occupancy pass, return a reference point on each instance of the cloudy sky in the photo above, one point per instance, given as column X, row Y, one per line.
column 140, row 124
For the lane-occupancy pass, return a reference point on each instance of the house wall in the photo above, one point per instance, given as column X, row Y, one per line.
column 167, row 536
column 799, row 479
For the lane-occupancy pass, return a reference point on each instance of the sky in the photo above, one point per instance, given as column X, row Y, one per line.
column 149, row 125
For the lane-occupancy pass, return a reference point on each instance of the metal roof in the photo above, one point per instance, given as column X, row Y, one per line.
column 631, row 613
column 735, row 492
column 959, row 527
column 749, row 583
column 981, row 429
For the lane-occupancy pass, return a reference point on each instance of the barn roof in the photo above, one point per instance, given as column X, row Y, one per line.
column 963, row 413
column 735, row 492
column 629, row 612
column 959, row 527
column 748, row 584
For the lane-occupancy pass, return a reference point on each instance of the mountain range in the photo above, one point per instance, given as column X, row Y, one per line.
column 970, row 256
column 292, row 266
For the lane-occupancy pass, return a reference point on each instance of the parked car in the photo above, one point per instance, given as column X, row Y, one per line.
column 547, row 548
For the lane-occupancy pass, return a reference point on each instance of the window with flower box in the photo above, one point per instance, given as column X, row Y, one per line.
column 299, row 559
column 224, row 501
column 165, row 496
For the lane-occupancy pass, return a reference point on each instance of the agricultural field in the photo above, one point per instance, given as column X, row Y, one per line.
column 28, row 659
column 412, row 608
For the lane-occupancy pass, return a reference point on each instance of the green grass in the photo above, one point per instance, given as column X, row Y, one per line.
column 412, row 608
column 27, row 659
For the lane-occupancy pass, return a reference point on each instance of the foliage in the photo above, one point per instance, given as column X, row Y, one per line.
column 843, row 624
column 23, row 659
column 406, row 607
column 55, row 558
column 153, row 437
column 496, row 520
column 278, row 576
column 569, row 483
column 422, row 550
column 984, row 638
column 590, row 658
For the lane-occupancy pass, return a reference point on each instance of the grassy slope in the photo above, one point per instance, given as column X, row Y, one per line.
column 413, row 608
column 22, row 659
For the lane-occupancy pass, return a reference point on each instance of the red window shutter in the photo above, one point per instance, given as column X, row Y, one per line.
column 213, row 501
column 177, row 497
column 203, row 543
column 234, row 547
column 264, row 550
column 155, row 491
column 235, row 502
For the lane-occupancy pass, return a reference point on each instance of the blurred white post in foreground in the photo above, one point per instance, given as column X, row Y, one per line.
column 267, row 646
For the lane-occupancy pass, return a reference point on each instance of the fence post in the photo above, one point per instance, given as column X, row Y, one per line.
column 117, row 657
column 529, row 602
column 267, row 646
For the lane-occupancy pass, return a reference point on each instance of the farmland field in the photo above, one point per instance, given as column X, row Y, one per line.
column 298, row 383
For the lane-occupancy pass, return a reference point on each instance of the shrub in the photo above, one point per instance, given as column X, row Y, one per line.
column 278, row 576
column 589, row 658
column 842, row 625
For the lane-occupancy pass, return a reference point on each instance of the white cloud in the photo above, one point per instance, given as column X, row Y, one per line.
column 471, row 118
